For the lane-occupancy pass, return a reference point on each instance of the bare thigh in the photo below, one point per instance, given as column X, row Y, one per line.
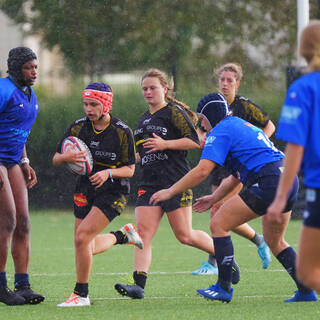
column 233, row 213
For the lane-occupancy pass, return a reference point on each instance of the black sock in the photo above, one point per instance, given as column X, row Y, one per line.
column 287, row 258
column 140, row 278
column 212, row 260
column 257, row 239
column 81, row 289
column 120, row 236
column 224, row 255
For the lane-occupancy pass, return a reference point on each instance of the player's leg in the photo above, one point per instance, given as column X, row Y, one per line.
column 308, row 260
column 181, row 223
column 274, row 236
column 85, row 230
column 147, row 221
column 20, row 246
column 233, row 213
column 7, row 226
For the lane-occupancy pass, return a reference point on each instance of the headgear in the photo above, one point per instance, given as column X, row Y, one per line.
column 214, row 107
column 16, row 59
column 100, row 92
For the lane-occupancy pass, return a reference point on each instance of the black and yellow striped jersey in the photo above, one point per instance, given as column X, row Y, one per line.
column 247, row 110
column 163, row 168
column 112, row 147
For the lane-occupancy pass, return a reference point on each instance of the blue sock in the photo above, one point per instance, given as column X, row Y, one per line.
column 287, row 258
column 224, row 254
column 21, row 279
column 3, row 279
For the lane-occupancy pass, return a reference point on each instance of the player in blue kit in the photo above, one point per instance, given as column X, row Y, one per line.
column 18, row 111
column 299, row 126
column 250, row 157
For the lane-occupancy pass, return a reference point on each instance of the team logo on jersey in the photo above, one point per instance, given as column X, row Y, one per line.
column 146, row 121
column 21, row 105
column 159, row 156
column 94, row 144
column 80, row 200
column 210, row 139
column 141, row 192
column 290, row 114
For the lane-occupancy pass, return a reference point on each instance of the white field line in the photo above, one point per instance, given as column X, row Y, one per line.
column 111, row 274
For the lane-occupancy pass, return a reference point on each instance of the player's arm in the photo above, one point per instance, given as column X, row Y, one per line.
column 157, row 143
column 29, row 173
column 228, row 187
column 269, row 129
column 190, row 180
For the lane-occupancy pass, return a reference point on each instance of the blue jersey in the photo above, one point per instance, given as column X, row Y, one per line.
column 17, row 115
column 300, row 123
column 240, row 147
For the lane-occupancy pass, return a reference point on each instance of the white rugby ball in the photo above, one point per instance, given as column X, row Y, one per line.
column 77, row 145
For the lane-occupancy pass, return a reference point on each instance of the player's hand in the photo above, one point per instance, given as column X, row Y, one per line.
column 74, row 156
column 154, row 144
column 202, row 204
column 30, row 175
column 274, row 212
column 159, row 196
column 99, row 178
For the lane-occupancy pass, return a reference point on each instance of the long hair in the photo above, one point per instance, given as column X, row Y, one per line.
column 310, row 45
column 167, row 82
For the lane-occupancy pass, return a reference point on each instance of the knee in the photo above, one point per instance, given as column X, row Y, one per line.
column 22, row 226
column 215, row 226
column 80, row 239
column 184, row 238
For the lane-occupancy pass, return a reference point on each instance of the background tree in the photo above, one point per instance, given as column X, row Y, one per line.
column 183, row 37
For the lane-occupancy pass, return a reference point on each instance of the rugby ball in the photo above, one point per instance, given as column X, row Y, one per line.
column 77, row 145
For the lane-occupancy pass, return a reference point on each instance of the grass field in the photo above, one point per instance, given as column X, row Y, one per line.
column 170, row 291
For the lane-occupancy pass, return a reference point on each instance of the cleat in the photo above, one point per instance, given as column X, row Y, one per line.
column 132, row 291
column 27, row 293
column 133, row 236
column 215, row 292
column 303, row 297
column 9, row 297
column 264, row 254
column 235, row 273
column 75, row 301
column 205, row 269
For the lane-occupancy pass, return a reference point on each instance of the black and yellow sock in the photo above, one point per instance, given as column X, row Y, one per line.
column 120, row 236
column 81, row 289
column 140, row 278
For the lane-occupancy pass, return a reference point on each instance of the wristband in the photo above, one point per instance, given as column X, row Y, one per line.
column 110, row 175
column 24, row 160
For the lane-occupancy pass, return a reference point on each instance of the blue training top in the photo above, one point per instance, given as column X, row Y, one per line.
column 241, row 147
column 300, row 123
column 17, row 115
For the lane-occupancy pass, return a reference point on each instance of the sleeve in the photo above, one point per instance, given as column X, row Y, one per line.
column 65, row 135
column 217, row 145
column 257, row 116
column 183, row 124
column 127, row 145
column 295, row 115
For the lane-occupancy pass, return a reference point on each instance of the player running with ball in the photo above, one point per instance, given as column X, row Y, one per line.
column 100, row 198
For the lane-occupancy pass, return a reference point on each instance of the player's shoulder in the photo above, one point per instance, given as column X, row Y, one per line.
column 7, row 87
column 119, row 124
column 81, row 121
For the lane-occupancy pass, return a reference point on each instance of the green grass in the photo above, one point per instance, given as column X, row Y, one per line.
column 170, row 291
